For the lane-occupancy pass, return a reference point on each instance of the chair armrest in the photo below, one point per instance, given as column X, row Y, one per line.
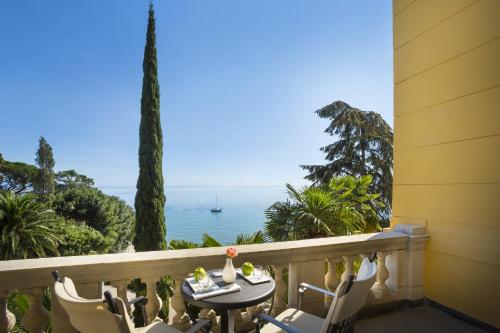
column 306, row 286
column 140, row 302
column 201, row 323
column 285, row 327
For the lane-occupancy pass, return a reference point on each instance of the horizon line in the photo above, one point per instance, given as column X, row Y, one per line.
column 182, row 186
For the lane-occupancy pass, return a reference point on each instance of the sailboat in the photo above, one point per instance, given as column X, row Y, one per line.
column 216, row 209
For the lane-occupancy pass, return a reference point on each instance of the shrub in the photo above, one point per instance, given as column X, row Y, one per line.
column 109, row 215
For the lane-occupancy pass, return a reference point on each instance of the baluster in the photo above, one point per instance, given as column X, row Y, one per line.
column 281, row 290
column 380, row 289
column 370, row 296
column 7, row 318
column 212, row 316
column 239, row 322
column 154, row 301
column 252, row 310
column 180, row 319
column 331, row 278
column 348, row 269
column 36, row 318
column 249, row 313
column 122, row 292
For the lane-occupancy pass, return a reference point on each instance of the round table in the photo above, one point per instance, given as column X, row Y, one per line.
column 249, row 295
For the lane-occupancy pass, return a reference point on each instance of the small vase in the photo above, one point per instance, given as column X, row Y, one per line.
column 229, row 273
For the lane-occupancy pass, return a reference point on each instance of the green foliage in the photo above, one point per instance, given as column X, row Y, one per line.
column 179, row 244
column 344, row 206
column 26, row 228
column 256, row 238
column 79, row 238
column 45, row 181
column 17, row 304
column 209, row 241
column 70, row 178
column 17, row 177
column 150, row 197
column 164, row 287
column 109, row 215
column 364, row 147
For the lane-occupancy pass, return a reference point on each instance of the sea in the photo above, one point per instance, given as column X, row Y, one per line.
column 188, row 213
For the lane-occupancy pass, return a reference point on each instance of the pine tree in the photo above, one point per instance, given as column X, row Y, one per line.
column 150, row 198
column 364, row 147
column 44, row 184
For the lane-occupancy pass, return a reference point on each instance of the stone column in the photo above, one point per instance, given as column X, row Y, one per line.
column 36, row 318
column 281, row 288
column 180, row 318
column 121, row 291
column 380, row 288
column 348, row 267
column 7, row 318
column 154, row 301
column 210, row 314
column 331, row 278
column 406, row 266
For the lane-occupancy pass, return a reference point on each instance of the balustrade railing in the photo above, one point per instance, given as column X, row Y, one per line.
column 400, row 274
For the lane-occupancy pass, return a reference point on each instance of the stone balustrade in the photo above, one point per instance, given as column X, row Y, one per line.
column 316, row 261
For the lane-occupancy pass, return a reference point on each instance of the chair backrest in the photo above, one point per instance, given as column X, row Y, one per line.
column 350, row 297
column 90, row 315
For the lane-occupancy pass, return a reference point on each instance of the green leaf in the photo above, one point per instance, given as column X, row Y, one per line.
column 22, row 303
column 209, row 241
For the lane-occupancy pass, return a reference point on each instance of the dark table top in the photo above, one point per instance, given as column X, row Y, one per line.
column 249, row 295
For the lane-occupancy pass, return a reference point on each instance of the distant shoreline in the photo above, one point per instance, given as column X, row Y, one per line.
column 204, row 186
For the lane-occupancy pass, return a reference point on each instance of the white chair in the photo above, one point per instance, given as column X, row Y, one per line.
column 348, row 299
column 95, row 316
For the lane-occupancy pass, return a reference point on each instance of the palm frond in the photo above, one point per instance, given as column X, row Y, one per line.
column 179, row 244
column 209, row 241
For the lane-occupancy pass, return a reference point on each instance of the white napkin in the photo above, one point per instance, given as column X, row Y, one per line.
column 217, row 291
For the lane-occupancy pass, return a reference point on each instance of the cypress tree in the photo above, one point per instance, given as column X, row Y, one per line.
column 44, row 184
column 150, row 197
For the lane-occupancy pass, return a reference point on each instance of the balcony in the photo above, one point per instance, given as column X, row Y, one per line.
column 399, row 278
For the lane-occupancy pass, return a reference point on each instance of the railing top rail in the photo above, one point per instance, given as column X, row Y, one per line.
column 34, row 273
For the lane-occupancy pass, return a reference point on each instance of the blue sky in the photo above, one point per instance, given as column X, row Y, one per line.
column 239, row 83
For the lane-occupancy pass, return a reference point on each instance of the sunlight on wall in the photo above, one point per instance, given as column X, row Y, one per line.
column 446, row 149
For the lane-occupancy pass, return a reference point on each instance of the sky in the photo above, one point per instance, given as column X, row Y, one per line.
column 239, row 83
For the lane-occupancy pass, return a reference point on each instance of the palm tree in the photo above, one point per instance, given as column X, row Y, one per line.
column 25, row 230
column 208, row 241
column 343, row 206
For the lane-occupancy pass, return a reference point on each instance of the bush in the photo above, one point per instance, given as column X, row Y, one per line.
column 79, row 239
column 109, row 215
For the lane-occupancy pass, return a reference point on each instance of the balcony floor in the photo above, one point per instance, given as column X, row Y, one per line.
column 422, row 319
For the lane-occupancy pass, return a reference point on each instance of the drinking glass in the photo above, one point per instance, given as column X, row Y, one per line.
column 258, row 272
column 204, row 283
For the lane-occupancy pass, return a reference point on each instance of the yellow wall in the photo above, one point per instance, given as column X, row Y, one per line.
column 447, row 145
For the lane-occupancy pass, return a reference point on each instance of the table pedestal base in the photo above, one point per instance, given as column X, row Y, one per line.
column 227, row 321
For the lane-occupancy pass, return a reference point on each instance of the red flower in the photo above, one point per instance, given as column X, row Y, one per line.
column 231, row 252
